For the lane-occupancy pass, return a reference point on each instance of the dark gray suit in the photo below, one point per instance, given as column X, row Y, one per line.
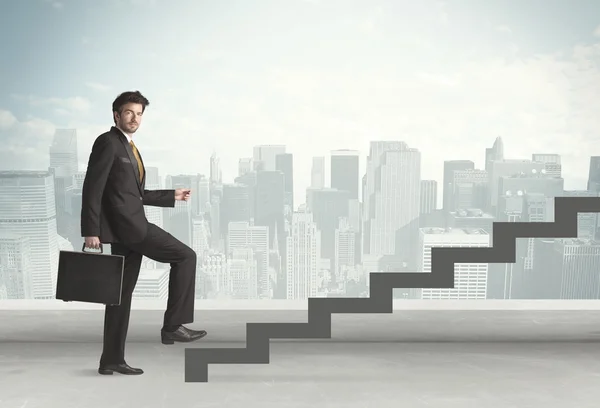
column 113, row 200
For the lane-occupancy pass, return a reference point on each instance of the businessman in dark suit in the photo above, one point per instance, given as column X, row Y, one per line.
column 112, row 211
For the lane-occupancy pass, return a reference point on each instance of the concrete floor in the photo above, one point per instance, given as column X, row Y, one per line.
column 427, row 358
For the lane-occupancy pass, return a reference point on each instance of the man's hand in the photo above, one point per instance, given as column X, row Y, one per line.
column 182, row 194
column 92, row 242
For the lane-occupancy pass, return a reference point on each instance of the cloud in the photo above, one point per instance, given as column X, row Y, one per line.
column 543, row 103
column 7, row 119
column 25, row 142
column 597, row 31
column 70, row 105
column 98, row 87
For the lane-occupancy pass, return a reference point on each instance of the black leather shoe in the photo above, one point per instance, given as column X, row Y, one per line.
column 182, row 334
column 109, row 369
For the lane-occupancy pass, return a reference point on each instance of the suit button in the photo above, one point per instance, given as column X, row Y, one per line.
column 141, row 198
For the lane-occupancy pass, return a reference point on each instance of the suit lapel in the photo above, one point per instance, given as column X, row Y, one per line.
column 129, row 150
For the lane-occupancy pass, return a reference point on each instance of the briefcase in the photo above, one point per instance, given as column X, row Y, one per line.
column 91, row 277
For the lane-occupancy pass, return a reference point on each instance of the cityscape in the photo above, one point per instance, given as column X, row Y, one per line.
column 254, row 242
column 331, row 147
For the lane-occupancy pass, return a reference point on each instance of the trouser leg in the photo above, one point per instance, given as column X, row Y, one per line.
column 116, row 318
column 163, row 247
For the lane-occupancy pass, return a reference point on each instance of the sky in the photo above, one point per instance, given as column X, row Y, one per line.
column 315, row 75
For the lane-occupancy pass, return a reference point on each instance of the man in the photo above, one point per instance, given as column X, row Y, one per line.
column 112, row 211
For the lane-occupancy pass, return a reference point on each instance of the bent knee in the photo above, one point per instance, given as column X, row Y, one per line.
column 189, row 255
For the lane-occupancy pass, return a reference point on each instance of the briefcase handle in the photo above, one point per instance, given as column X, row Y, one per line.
column 83, row 248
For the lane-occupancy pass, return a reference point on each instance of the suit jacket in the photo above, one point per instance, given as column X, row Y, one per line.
column 113, row 197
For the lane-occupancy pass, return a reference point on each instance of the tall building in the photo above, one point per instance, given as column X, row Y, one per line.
column 594, row 174
column 450, row 167
column 501, row 168
column 470, row 189
column 303, row 256
column 567, row 269
column 345, row 249
column 344, row 171
column 64, row 166
column 216, row 176
column 201, row 201
column 244, row 165
column 284, row 163
column 317, row 173
column 392, row 213
column 552, row 163
column 178, row 220
column 243, row 272
column 200, row 236
column 235, row 205
column 470, row 279
column 327, row 207
column 270, row 199
column 244, row 235
column 494, row 153
column 63, row 151
column 15, row 266
column 579, row 264
column 428, row 196
column 264, row 157
column 213, row 277
column 28, row 210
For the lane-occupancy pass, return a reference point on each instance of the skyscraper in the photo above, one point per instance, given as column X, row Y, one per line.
column 235, row 205
column 244, row 235
column 494, row 153
column 594, row 174
column 392, row 224
column 450, row 166
column 344, row 171
column 303, row 256
column 63, row 151
column 317, row 173
column 28, row 210
column 428, row 196
column 15, row 266
column 284, row 162
column 178, row 220
column 264, row 157
column 552, row 163
column 270, row 198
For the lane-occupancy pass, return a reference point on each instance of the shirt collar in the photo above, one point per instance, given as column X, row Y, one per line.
column 129, row 139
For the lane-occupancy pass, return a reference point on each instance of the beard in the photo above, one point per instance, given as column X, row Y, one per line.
column 131, row 127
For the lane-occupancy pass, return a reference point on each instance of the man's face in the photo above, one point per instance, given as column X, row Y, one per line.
column 130, row 117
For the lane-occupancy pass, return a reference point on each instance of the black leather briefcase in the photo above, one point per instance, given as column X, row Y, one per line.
column 91, row 277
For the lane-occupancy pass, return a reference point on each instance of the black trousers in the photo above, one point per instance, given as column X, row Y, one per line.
column 162, row 247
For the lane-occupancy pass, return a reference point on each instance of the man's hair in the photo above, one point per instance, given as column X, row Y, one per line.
column 129, row 97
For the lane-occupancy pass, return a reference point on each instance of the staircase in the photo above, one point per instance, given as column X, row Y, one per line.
column 258, row 335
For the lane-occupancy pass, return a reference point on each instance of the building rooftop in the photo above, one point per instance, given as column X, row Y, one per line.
column 24, row 173
column 450, row 354
column 471, row 213
column 454, row 231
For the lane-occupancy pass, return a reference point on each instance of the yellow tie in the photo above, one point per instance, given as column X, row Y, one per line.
column 139, row 161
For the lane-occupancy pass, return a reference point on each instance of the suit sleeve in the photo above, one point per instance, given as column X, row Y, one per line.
column 159, row 198
column 99, row 166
